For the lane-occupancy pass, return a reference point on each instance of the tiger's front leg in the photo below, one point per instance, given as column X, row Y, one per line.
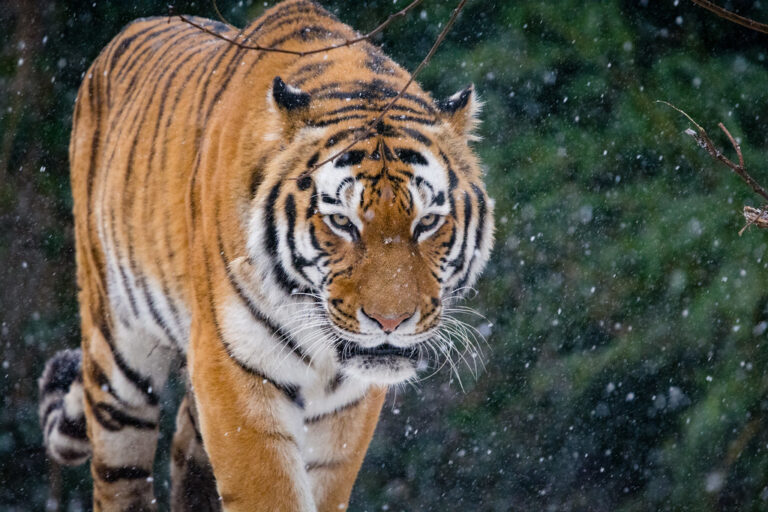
column 335, row 446
column 243, row 421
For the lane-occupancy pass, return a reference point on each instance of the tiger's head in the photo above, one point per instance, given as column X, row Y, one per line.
column 378, row 235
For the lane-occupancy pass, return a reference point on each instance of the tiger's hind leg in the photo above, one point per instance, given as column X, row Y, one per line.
column 193, row 486
column 122, row 411
column 61, row 409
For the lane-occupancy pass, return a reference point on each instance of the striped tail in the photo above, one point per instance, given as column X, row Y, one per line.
column 61, row 409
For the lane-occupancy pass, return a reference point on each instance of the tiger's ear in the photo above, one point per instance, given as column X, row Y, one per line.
column 291, row 104
column 461, row 111
column 288, row 98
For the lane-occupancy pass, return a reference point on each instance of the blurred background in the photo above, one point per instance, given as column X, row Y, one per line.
column 627, row 360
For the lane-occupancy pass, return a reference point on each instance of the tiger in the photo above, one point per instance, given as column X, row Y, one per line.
column 259, row 216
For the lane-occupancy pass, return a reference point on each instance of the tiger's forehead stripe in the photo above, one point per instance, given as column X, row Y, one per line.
column 404, row 170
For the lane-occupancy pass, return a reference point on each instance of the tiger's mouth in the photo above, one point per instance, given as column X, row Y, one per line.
column 382, row 359
column 382, row 364
column 351, row 349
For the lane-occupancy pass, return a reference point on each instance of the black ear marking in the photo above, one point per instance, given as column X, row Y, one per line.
column 456, row 102
column 461, row 112
column 287, row 97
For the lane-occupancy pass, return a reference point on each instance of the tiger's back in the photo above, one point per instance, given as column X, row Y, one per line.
column 137, row 130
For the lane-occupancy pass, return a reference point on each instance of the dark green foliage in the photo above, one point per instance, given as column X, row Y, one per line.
column 628, row 354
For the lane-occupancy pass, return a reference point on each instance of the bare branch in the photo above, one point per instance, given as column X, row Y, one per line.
column 733, row 143
column 732, row 16
column 237, row 43
column 348, row 42
column 758, row 217
column 703, row 140
column 370, row 126
column 218, row 13
column 364, row 132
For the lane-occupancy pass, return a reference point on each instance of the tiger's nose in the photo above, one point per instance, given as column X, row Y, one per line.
column 388, row 323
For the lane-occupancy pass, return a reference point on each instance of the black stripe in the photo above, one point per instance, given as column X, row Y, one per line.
column 316, row 243
column 143, row 384
column 335, row 120
column 411, row 157
column 299, row 262
column 102, row 381
column 312, row 207
column 124, row 278
column 331, row 464
column 479, row 231
column 376, row 90
column 334, row 384
column 113, row 419
column 285, row 282
column 453, row 181
column 170, row 64
column 258, row 315
column 289, row 390
column 364, row 107
column 201, row 119
column 420, row 137
column 308, row 71
column 177, row 66
column 329, row 199
column 412, row 119
column 94, row 142
column 332, row 307
column 338, row 137
column 137, row 53
column 458, row 261
column 125, row 42
column 63, row 370
column 189, row 78
column 111, row 474
column 379, row 64
column 70, row 454
column 72, row 428
column 51, row 407
column 133, row 89
column 338, row 410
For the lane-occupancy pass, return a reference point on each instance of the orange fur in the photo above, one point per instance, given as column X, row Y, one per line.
column 174, row 131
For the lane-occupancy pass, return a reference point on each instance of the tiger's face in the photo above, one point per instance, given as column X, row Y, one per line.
column 379, row 236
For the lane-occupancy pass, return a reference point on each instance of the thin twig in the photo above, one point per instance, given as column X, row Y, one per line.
column 732, row 16
column 734, row 144
column 753, row 215
column 348, row 42
column 703, row 140
column 370, row 126
column 218, row 13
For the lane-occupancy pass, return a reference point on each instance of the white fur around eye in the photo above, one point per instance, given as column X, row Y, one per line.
column 345, row 228
column 422, row 231
column 338, row 186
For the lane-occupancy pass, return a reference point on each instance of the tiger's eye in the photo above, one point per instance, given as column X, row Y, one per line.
column 428, row 220
column 339, row 220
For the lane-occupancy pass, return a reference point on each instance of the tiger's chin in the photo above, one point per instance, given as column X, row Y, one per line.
column 382, row 364
column 381, row 369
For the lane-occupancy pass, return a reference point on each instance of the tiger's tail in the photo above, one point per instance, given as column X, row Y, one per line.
column 62, row 416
